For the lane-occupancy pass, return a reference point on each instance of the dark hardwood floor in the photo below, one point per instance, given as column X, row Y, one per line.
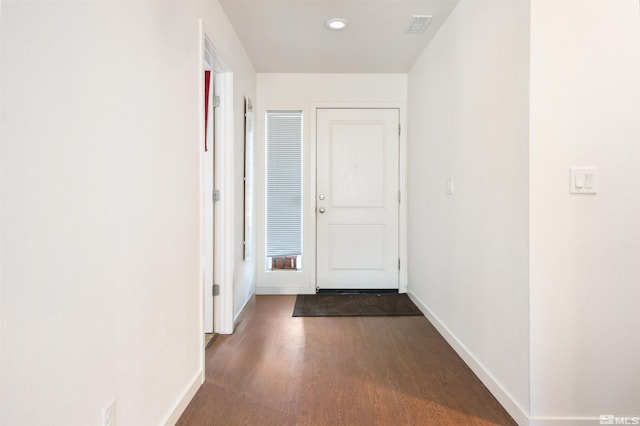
column 279, row 370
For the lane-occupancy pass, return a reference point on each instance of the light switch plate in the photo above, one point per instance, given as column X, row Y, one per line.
column 583, row 180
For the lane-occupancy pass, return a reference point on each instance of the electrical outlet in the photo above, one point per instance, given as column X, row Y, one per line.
column 450, row 186
column 109, row 414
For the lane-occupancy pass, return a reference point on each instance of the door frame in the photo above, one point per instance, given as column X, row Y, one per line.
column 310, row 216
column 223, row 261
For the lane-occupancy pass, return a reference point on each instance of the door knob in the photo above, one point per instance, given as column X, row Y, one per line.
column 321, row 210
column 321, row 197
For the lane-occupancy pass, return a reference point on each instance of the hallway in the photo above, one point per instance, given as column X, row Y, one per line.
column 279, row 370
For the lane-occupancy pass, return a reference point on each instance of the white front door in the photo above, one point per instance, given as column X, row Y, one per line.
column 357, row 199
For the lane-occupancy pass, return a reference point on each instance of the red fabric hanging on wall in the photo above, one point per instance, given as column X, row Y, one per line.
column 207, row 83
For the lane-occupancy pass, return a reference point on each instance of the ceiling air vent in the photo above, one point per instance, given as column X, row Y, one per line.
column 419, row 23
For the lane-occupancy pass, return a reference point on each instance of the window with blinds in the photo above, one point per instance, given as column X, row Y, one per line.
column 284, row 190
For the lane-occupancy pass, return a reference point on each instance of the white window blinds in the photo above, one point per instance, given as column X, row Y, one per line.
column 284, row 183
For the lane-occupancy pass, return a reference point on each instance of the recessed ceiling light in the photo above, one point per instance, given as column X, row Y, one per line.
column 337, row 23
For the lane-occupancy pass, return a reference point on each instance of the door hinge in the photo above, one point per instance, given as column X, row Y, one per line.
column 215, row 290
column 216, row 101
column 398, row 264
column 216, row 195
column 399, row 128
column 399, row 197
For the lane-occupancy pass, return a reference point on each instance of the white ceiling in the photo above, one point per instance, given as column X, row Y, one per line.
column 291, row 36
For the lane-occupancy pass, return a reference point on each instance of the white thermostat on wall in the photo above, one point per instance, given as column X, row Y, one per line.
column 584, row 180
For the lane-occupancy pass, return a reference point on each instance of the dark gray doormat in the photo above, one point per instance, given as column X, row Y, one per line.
column 354, row 305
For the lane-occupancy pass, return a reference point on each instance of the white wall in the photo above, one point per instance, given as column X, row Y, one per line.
column 468, row 252
column 585, row 250
column 506, row 99
column 304, row 92
column 100, row 232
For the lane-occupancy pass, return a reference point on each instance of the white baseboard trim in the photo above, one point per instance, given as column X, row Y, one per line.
column 502, row 395
column 285, row 290
column 244, row 305
column 186, row 398
column 564, row 421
